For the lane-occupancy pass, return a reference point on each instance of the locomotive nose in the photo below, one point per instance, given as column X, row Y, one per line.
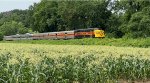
column 99, row 33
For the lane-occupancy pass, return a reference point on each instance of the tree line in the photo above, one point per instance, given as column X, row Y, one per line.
column 119, row 18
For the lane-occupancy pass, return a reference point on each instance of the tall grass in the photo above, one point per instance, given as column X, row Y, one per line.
column 142, row 42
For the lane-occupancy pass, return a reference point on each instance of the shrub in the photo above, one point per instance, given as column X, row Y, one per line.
column 1, row 36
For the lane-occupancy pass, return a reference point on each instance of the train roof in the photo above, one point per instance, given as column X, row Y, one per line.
column 88, row 29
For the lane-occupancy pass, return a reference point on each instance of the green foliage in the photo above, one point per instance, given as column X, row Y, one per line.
column 138, row 26
column 45, row 16
column 119, row 18
column 112, row 30
column 84, row 68
column 140, row 42
column 12, row 28
column 1, row 36
column 15, row 15
column 135, row 18
column 118, row 68
column 70, row 15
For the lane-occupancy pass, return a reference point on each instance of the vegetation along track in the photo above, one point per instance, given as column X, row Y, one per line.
column 36, row 63
column 123, row 42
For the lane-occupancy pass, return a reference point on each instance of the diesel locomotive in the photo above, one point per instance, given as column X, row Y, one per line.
column 73, row 34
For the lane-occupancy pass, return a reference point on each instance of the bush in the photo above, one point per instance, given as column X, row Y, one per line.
column 12, row 28
column 1, row 36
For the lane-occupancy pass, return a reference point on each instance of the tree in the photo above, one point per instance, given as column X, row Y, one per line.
column 45, row 16
column 12, row 28
column 70, row 15
column 84, row 14
column 1, row 36
column 138, row 26
column 113, row 24
column 135, row 17
column 15, row 15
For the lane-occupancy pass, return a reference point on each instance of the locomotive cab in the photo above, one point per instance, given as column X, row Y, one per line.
column 99, row 33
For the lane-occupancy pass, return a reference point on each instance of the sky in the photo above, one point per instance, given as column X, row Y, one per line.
column 7, row 5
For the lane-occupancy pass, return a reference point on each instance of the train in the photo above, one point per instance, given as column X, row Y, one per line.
column 73, row 34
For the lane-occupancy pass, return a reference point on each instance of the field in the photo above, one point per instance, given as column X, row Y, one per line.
column 37, row 63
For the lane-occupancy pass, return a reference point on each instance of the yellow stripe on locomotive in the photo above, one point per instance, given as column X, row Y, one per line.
column 99, row 33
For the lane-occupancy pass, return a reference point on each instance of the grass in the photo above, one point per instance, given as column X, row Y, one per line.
column 142, row 42
column 38, row 63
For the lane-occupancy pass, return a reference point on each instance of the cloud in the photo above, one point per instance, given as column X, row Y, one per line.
column 7, row 5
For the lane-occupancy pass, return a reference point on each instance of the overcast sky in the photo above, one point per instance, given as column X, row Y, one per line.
column 7, row 5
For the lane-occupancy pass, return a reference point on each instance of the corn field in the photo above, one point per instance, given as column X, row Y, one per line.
column 34, row 63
